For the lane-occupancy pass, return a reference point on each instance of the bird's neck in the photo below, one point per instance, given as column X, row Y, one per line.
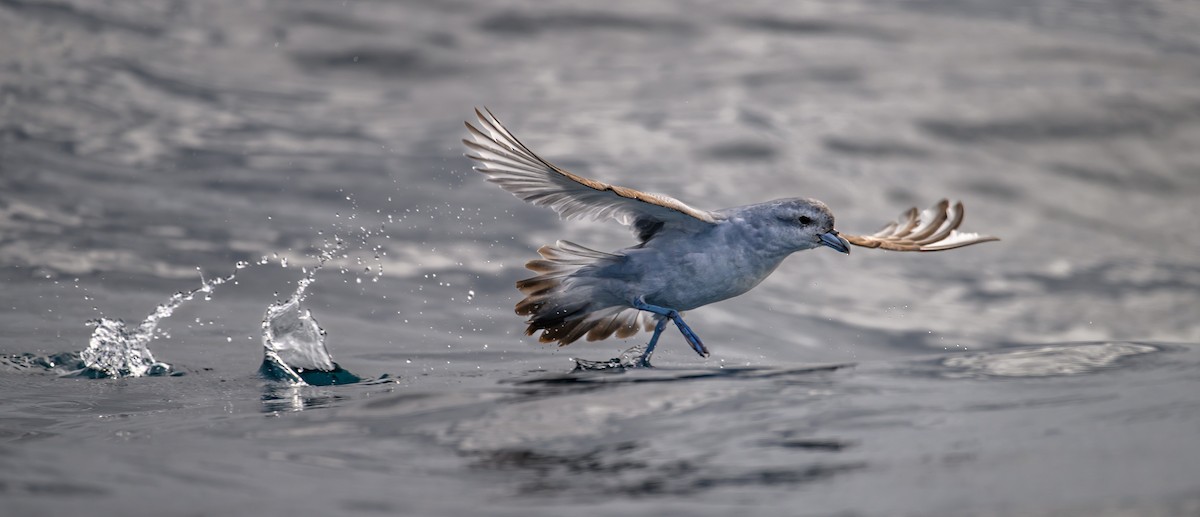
column 757, row 238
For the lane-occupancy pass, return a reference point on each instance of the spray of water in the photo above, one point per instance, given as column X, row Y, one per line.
column 630, row 358
column 294, row 350
column 118, row 350
column 294, row 344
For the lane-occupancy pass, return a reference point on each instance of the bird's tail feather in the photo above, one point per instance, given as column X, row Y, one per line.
column 563, row 308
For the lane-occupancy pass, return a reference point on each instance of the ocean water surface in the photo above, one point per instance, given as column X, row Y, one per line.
column 293, row 171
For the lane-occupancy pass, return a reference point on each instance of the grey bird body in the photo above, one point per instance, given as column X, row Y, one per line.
column 686, row 258
column 686, row 270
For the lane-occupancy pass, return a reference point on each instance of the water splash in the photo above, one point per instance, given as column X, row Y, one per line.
column 630, row 358
column 294, row 350
column 118, row 350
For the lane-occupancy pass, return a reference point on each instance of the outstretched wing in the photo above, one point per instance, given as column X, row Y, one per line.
column 515, row 168
column 935, row 229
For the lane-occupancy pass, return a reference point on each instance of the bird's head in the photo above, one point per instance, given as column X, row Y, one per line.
column 799, row 224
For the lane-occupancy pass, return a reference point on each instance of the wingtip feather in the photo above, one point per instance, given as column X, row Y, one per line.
column 935, row 229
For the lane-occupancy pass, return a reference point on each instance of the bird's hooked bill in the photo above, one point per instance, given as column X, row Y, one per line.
column 832, row 240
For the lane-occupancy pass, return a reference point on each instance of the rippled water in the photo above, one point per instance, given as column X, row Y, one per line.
column 1053, row 373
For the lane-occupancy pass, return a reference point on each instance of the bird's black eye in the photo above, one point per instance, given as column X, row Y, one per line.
column 805, row 220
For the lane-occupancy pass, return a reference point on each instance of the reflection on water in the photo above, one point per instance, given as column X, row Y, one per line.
column 621, row 470
column 583, row 377
column 296, row 397
column 1069, row 359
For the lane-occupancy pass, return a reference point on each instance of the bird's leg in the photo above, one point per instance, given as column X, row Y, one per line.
column 673, row 314
column 644, row 361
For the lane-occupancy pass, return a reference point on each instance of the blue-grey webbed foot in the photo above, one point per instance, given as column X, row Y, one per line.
column 673, row 314
column 690, row 336
column 644, row 360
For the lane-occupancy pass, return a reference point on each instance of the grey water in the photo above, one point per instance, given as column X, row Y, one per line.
column 1052, row 373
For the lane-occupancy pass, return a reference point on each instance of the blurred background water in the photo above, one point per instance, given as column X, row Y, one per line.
column 1053, row 373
